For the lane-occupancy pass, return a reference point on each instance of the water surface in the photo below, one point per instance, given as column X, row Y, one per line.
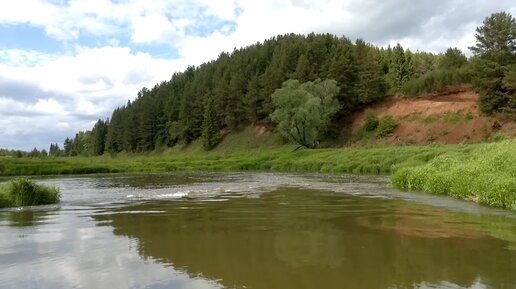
column 246, row 230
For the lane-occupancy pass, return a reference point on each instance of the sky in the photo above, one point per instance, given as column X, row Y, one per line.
column 64, row 64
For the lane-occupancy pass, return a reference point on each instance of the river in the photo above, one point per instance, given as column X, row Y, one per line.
column 253, row 230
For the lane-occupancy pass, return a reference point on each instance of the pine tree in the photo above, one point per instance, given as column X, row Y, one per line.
column 68, row 147
column 98, row 137
column 303, row 69
column 453, row 58
column 494, row 63
column 54, row 150
column 210, row 133
column 254, row 101
column 114, row 142
column 370, row 82
column 401, row 67
column 343, row 69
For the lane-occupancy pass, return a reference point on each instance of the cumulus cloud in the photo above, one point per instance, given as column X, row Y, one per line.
column 37, row 98
column 109, row 48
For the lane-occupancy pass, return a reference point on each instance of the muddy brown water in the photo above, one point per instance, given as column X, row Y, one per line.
column 253, row 230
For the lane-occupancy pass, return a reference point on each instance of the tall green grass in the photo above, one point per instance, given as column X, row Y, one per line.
column 487, row 175
column 371, row 160
column 23, row 192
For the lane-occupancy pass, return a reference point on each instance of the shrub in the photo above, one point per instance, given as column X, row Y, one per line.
column 386, row 126
column 498, row 137
column 370, row 121
column 23, row 192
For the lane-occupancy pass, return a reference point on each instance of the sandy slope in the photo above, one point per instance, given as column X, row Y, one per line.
column 448, row 117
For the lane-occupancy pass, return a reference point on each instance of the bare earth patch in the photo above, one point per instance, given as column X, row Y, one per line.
column 446, row 118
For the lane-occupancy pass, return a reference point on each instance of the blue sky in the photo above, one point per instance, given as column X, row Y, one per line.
column 66, row 63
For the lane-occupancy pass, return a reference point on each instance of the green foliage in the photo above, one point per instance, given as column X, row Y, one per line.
column 486, row 175
column 98, row 137
column 343, row 69
column 370, row 121
column 496, row 35
column 498, row 137
column 401, row 67
column 23, row 192
column 210, row 133
column 54, row 150
column 453, row 58
column 424, row 62
column 386, row 126
column 435, row 80
column 456, row 118
column 303, row 111
column 495, row 63
column 370, row 84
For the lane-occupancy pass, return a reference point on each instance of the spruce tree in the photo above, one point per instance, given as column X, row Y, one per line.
column 343, row 69
column 401, row 67
column 210, row 133
column 303, row 69
column 98, row 137
column 370, row 82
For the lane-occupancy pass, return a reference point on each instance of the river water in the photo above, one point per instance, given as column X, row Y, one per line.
column 253, row 230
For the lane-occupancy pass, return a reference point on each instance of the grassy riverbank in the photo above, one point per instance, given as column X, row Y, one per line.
column 486, row 174
column 375, row 160
column 22, row 192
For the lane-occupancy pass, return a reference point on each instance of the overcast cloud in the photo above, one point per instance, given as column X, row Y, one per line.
column 65, row 64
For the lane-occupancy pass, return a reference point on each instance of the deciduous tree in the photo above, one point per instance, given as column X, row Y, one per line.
column 303, row 110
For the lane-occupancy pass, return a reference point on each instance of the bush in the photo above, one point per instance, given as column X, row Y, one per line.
column 386, row 126
column 23, row 192
column 370, row 121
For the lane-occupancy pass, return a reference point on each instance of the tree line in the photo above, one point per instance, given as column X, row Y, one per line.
column 236, row 89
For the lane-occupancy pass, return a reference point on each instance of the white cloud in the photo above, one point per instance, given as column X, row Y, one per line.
column 47, row 106
column 76, row 89
column 156, row 28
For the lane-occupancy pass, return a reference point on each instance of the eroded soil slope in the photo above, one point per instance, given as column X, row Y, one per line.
column 449, row 117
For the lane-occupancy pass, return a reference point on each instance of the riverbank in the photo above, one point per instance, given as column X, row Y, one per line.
column 372, row 160
column 484, row 173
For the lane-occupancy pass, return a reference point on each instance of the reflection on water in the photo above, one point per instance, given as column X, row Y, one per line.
column 24, row 217
column 295, row 238
column 254, row 231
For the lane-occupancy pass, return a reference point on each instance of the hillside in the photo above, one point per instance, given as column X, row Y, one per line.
column 236, row 90
column 448, row 117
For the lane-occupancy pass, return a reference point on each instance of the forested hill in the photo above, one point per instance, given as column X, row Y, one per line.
column 235, row 89
column 240, row 85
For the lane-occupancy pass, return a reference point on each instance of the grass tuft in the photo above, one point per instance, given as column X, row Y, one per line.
column 23, row 192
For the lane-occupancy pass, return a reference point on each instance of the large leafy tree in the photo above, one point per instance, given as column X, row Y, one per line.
column 303, row 110
column 495, row 63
